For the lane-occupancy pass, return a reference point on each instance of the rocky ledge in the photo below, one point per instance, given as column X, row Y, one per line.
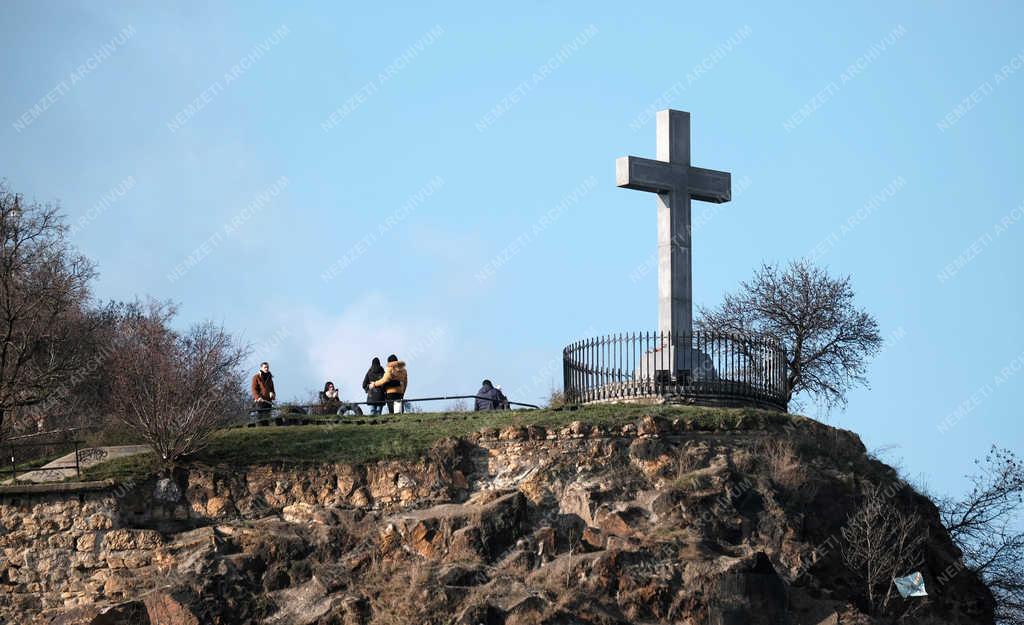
column 651, row 522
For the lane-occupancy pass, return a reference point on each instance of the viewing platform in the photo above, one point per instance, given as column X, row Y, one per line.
column 694, row 368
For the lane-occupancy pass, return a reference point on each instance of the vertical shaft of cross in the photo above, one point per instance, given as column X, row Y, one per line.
column 675, row 284
column 676, row 183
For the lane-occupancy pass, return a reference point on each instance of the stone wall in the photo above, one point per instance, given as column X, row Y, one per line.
column 67, row 549
column 529, row 504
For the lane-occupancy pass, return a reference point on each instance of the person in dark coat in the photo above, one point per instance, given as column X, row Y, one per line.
column 263, row 388
column 374, row 394
column 329, row 399
column 488, row 397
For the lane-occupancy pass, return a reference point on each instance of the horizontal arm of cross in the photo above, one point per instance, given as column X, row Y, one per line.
column 644, row 174
column 710, row 185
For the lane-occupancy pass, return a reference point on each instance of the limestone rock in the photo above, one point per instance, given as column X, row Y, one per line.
column 170, row 609
column 651, row 522
column 167, row 490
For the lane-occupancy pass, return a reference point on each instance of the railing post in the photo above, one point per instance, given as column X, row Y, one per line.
column 14, row 466
column 78, row 469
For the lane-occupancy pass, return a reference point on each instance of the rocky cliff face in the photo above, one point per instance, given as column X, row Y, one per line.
column 653, row 522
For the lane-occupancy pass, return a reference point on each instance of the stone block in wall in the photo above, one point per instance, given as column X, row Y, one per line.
column 86, row 542
column 99, row 521
column 62, row 540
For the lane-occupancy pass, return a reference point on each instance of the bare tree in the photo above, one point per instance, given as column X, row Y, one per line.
column 44, row 285
column 881, row 542
column 459, row 405
column 986, row 525
column 827, row 339
column 175, row 389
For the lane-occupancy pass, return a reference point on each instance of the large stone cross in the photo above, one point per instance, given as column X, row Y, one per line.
column 675, row 181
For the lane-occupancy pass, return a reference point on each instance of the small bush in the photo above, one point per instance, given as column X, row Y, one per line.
column 556, row 399
column 783, row 464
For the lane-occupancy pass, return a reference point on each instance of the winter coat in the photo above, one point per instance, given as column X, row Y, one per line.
column 262, row 387
column 374, row 394
column 327, row 400
column 327, row 404
column 395, row 379
column 487, row 398
column 502, row 400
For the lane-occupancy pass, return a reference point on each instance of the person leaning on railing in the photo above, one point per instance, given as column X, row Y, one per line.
column 394, row 383
column 488, row 397
column 374, row 395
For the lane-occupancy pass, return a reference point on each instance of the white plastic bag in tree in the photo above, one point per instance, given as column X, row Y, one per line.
column 911, row 586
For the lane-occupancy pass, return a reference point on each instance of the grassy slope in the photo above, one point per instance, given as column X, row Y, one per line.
column 406, row 436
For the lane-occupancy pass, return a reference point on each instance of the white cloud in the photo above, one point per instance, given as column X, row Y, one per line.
column 340, row 347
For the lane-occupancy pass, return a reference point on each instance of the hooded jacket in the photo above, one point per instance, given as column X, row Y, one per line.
column 374, row 373
column 487, row 398
column 395, row 379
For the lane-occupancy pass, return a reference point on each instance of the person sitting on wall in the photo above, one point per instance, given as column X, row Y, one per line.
column 263, row 388
column 487, row 398
column 329, row 400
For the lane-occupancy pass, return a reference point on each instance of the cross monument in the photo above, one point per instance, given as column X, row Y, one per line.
column 675, row 182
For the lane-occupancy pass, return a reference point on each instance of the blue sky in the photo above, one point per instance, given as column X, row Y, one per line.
column 336, row 182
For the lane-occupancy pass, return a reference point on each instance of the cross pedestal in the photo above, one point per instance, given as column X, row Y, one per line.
column 675, row 182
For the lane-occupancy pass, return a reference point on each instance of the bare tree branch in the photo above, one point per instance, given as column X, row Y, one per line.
column 986, row 525
column 828, row 341
column 43, row 295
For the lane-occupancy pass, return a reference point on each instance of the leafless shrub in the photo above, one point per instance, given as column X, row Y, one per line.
column 686, row 462
column 783, row 464
column 175, row 389
column 407, row 592
column 985, row 524
column 556, row 399
column 459, row 405
column 828, row 340
column 882, row 542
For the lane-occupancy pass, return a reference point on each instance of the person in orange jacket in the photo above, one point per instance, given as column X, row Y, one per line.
column 394, row 383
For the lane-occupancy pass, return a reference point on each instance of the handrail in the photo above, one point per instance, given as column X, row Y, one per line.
column 709, row 368
column 13, row 467
column 281, row 406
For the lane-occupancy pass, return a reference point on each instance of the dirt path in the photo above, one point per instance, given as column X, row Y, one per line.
column 64, row 467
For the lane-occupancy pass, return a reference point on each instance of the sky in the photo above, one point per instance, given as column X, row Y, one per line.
column 333, row 182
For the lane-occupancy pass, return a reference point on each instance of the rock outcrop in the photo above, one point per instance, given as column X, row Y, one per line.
column 653, row 522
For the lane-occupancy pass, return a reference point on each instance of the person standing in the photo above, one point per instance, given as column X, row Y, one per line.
column 263, row 388
column 487, row 398
column 394, row 382
column 374, row 395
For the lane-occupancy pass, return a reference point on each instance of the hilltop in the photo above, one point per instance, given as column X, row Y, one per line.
column 613, row 514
